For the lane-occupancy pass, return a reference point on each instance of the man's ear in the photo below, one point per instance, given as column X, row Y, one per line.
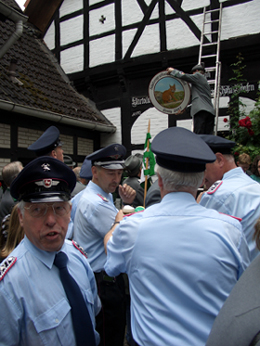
column 54, row 154
column 160, row 181
column 94, row 170
column 220, row 159
column 20, row 216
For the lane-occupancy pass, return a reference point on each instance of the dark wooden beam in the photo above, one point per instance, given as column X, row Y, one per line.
column 142, row 5
column 118, row 36
column 41, row 12
column 140, row 29
column 183, row 15
column 162, row 18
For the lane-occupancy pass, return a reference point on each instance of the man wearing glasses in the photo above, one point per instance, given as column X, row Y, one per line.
column 48, row 293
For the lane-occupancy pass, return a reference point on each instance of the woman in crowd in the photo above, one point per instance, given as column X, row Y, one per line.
column 14, row 231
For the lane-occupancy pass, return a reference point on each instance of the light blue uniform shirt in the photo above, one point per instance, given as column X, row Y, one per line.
column 182, row 261
column 94, row 217
column 237, row 195
column 34, row 309
column 74, row 203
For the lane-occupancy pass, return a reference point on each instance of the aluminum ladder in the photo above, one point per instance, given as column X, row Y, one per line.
column 209, row 52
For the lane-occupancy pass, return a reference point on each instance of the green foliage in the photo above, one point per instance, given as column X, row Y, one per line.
column 244, row 130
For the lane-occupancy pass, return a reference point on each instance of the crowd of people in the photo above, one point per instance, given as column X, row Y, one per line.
column 183, row 271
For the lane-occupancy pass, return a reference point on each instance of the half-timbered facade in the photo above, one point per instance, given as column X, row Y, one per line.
column 111, row 49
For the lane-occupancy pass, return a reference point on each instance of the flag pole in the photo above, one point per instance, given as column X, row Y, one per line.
column 146, row 165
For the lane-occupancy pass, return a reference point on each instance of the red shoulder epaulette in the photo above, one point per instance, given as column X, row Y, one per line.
column 234, row 217
column 214, row 187
column 102, row 197
column 80, row 248
column 6, row 266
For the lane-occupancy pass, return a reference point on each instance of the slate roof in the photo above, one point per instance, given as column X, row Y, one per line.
column 45, row 85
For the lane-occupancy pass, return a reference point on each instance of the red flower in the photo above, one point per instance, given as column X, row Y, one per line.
column 245, row 122
column 225, row 120
column 236, row 153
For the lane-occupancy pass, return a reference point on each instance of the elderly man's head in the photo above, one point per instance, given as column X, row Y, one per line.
column 43, row 189
column 225, row 160
column 181, row 157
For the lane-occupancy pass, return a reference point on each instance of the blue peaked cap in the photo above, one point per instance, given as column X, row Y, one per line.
column 110, row 157
column 44, row 179
column 181, row 150
column 48, row 141
column 85, row 171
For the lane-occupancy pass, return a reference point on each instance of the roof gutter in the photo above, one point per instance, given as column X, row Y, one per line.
column 55, row 117
column 16, row 17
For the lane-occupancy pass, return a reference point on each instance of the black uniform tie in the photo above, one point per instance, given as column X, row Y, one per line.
column 83, row 327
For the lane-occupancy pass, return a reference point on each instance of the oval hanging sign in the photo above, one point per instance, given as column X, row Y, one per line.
column 169, row 94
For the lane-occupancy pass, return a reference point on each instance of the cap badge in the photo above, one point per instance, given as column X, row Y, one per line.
column 47, row 183
column 115, row 157
column 45, row 166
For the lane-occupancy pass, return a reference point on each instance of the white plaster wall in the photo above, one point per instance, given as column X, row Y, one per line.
column 242, row 20
column 49, row 37
column 71, row 30
column 113, row 115
column 69, row 6
column 168, row 9
column 102, row 51
column 127, row 38
column 95, row 26
column 248, row 104
column 148, row 42
column 71, row 59
column 158, row 122
column 131, row 12
column 93, row 2
column 188, row 5
column 178, row 35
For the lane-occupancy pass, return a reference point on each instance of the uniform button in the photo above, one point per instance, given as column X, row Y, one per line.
column 56, row 320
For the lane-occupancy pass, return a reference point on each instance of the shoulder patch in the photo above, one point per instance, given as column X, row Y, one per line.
column 7, row 265
column 102, row 197
column 214, row 187
column 80, row 248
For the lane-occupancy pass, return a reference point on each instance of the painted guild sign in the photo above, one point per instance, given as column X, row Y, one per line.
column 169, row 94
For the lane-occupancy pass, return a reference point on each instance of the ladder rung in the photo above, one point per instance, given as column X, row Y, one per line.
column 210, row 11
column 210, row 32
column 212, row 21
column 210, row 69
column 209, row 56
column 209, row 44
column 211, row 81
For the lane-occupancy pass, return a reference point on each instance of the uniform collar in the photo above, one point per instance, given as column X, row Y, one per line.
column 98, row 190
column 47, row 258
column 233, row 171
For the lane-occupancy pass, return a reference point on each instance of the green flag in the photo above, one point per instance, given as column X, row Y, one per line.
column 151, row 160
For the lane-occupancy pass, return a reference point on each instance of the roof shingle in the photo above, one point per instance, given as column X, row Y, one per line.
column 40, row 81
